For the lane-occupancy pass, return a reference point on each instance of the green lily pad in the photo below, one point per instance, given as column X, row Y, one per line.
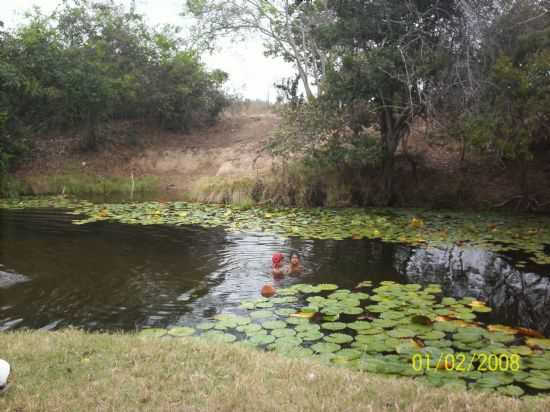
column 333, row 325
column 538, row 342
column 181, row 331
column 348, row 354
column 260, row 340
column 288, row 341
column 250, row 328
column 371, row 331
column 511, row 390
column 445, row 326
column 433, row 335
column 402, row 333
column 274, row 324
column 264, row 305
column 538, row 383
column 338, row 338
column 359, row 325
column 297, row 321
column 205, row 325
column 307, row 327
column 327, row 286
column 325, row 347
column 310, row 335
column 280, row 333
column 539, row 362
column 217, row 336
column 260, row 314
column 352, row 311
column 285, row 311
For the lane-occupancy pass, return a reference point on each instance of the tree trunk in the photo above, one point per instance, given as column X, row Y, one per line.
column 388, row 163
column 393, row 128
column 388, row 151
column 91, row 134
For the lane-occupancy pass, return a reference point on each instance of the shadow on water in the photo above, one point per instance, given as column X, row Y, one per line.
column 517, row 297
column 114, row 276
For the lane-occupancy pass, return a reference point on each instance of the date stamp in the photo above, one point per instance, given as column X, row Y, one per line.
column 467, row 362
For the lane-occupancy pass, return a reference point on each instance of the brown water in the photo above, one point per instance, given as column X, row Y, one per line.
column 113, row 276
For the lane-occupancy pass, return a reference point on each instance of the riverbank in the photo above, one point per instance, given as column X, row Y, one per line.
column 72, row 370
column 229, row 163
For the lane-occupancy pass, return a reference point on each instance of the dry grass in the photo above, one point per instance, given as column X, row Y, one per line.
column 76, row 371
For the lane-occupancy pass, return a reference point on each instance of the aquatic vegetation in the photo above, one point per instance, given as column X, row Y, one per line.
column 403, row 333
column 496, row 232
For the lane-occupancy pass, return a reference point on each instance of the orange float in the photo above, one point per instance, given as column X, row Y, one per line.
column 268, row 291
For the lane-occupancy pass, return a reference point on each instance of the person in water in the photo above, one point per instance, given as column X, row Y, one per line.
column 295, row 266
column 277, row 265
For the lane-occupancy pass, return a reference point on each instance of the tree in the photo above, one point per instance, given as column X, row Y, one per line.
column 398, row 58
column 93, row 62
column 512, row 117
column 288, row 29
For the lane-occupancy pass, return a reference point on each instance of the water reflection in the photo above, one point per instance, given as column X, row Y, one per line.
column 115, row 276
column 517, row 297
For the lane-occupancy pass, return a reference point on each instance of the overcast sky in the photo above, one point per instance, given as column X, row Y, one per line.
column 251, row 74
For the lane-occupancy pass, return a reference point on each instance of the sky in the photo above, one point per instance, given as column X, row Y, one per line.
column 251, row 74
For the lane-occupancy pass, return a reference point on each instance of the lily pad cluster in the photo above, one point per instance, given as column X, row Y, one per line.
column 391, row 325
column 491, row 231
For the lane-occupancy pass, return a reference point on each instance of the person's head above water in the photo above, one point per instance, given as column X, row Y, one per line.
column 276, row 259
column 294, row 259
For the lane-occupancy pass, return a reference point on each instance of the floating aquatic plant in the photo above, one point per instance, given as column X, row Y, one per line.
column 489, row 231
column 401, row 326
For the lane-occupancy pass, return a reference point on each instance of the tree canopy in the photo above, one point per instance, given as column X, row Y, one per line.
column 89, row 62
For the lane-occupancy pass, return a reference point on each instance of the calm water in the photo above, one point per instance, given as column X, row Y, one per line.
column 113, row 276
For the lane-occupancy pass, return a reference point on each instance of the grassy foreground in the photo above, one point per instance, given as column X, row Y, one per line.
column 76, row 371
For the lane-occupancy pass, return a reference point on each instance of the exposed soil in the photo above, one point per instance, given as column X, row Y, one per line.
column 232, row 148
column 429, row 172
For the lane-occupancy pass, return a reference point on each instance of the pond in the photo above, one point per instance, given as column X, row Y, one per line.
column 404, row 292
column 112, row 276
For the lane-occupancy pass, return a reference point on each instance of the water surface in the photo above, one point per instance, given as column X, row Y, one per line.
column 111, row 276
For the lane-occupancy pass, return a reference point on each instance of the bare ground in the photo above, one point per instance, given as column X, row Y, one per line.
column 429, row 171
column 230, row 149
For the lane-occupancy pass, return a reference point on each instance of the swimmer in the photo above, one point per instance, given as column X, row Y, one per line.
column 295, row 267
column 276, row 265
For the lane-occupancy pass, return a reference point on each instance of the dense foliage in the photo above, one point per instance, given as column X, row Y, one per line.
column 90, row 62
column 480, row 69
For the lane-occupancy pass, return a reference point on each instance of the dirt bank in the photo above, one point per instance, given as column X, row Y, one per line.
column 231, row 149
column 227, row 163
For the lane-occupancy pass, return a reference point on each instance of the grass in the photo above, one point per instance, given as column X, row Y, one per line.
column 294, row 185
column 238, row 191
column 72, row 370
column 82, row 184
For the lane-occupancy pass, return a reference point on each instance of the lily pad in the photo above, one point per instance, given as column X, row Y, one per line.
column 280, row 333
column 338, row 338
column 402, row 333
column 260, row 340
column 205, row 325
column 359, row 325
column 538, row 383
column 216, row 336
column 181, row 331
column 511, row 390
column 334, row 325
column 538, row 343
column 285, row 311
column 274, row 324
column 260, row 314
column 349, row 354
column 325, row 347
column 310, row 335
